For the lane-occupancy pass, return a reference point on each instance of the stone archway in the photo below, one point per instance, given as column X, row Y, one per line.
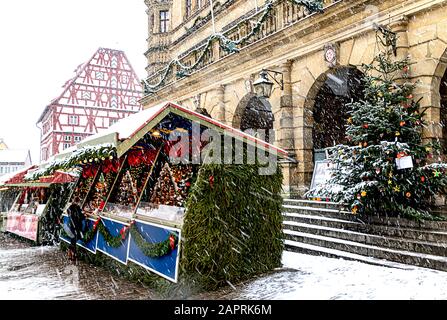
column 326, row 106
column 440, row 83
column 253, row 113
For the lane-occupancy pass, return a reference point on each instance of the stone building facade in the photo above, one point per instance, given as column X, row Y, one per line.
column 294, row 42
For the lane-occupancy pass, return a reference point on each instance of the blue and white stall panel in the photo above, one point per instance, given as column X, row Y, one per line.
column 114, row 228
column 165, row 266
column 91, row 245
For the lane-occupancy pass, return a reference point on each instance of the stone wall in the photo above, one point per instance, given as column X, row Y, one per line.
column 297, row 51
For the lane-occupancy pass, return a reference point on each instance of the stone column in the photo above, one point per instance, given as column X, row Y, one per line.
column 220, row 98
column 285, row 135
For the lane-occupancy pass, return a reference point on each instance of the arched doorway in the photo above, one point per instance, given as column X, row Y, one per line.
column 254, row 113
column 338, row 88
column 443, row 94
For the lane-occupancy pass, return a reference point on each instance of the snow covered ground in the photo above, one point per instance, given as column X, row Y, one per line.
column 321, row 278
column 44, row 273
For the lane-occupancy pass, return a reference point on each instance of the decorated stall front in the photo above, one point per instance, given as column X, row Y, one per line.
column 142, row 186
column 34, row 212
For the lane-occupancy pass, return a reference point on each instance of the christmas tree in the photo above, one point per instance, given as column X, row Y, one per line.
column 387, row 169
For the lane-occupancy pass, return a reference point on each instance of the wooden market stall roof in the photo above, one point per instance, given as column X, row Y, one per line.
column 126, row 132
column 17, row 179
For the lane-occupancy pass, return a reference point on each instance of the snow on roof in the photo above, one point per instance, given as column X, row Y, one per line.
column 127, row 127
column 10, row 175
column 10, row 155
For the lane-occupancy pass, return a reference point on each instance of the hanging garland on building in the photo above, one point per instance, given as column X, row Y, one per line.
column 228, row 45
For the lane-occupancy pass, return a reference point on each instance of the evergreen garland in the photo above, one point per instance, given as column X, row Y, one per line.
column 85, row 155
column 154, row 250
column 227, row 44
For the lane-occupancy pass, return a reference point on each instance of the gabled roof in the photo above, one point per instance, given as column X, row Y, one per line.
column 128, row 131
column 11, row 155
column 78, row 71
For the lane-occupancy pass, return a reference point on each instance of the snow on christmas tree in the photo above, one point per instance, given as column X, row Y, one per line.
column 387, row 169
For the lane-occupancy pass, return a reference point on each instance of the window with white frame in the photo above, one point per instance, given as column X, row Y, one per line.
column 67, row 145
column 77, row 138
column 73, row 120
column 67, row 138
column 114, row 101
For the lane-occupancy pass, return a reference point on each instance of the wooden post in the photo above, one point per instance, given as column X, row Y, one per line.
column 147, row 179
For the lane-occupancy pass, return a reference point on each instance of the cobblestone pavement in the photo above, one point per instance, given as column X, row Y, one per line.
column 28, row 272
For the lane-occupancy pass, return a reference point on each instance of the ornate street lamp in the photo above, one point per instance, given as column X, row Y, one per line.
column 263, row 86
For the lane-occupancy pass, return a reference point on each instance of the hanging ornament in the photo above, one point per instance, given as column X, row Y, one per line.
column 365, row 144
column 172, row 242
column 402, row 123
column 365, row 126
column 401, row 155
column 377, row 170
column 359, row 196
column 436, row 173
column 390, row 182
column 363, row 194
column 350, row 120
column 423, row 179
column 408, row 194
column 95, row 225
column 397, row 133
column 354, row 210
column 396, row 189
column 410, row 96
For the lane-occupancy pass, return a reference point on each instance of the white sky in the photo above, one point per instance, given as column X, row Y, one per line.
column 42, row 42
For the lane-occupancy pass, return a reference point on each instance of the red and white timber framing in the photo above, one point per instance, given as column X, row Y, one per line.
column 104, row 90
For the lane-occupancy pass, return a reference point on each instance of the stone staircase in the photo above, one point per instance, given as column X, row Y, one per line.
column 326, row 228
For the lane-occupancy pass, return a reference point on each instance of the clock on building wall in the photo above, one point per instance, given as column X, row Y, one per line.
column 330, row 54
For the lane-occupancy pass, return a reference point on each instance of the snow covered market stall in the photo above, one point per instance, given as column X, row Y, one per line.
column 32, row 208
column 175, row 192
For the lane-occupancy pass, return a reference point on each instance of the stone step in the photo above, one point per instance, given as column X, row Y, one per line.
column 358, row 226
column 332, row 253
column 427, row 247
column 339, row 213
column 401, row 256
column 313, row 204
